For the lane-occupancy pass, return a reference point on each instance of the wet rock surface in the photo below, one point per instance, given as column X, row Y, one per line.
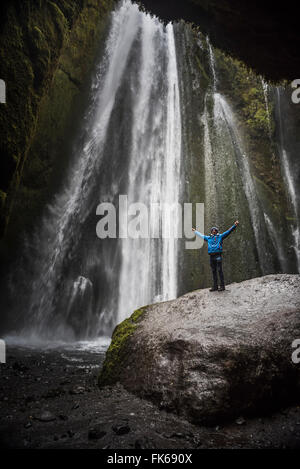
column 214, row 356
column 98, row 418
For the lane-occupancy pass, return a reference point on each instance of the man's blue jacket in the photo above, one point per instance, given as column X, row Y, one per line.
column 215, row 242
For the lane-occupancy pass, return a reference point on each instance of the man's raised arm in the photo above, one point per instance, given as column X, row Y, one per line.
column 233, row 227
column 200, row 234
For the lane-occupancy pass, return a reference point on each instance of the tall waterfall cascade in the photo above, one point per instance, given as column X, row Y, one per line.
column 154, row 171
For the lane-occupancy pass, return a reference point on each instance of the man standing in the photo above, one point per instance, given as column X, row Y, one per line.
column 215, row 248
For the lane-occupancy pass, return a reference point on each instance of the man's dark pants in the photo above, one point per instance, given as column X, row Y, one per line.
column 216, row 265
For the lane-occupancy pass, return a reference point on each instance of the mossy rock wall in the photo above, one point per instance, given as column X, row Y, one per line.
column 47, row 52
column 254, row 106
column 193, row 69
column 196, row 81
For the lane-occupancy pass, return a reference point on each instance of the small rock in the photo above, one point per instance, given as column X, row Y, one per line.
column 121, row 429
column 96, row 433
column 75, row 406
column 45, row 417
column 240, row 421
column 177, row 435
column 77, row 390
column 64, row 382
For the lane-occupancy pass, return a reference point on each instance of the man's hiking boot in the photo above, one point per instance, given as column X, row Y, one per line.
column 222, row 288
column 214, row 288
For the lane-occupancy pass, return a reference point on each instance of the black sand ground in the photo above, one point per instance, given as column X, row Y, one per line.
column 50, row 399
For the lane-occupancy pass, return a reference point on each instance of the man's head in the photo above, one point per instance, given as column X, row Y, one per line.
column 214, row 230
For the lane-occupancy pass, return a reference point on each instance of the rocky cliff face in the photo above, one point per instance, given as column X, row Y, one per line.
column 233, row 149
column 47, row 50
column 212, row 356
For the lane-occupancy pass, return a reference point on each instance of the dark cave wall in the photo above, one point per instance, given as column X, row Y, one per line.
column 263, row 34
column 46, row 52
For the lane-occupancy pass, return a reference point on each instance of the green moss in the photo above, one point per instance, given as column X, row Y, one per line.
column 2, row 198
column 50, row 52
column 60, row 21
column 244, row 90
column 203, row 73
column 118, row 348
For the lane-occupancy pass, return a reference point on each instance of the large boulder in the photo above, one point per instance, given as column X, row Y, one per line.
column 212, row 356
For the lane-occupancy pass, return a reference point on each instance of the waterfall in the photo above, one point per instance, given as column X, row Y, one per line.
column 212, row 64
column 290, row 183
column 209, row 164
column 277, row 244
column 149, row 266
column 74, row 285
column 243, row 163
